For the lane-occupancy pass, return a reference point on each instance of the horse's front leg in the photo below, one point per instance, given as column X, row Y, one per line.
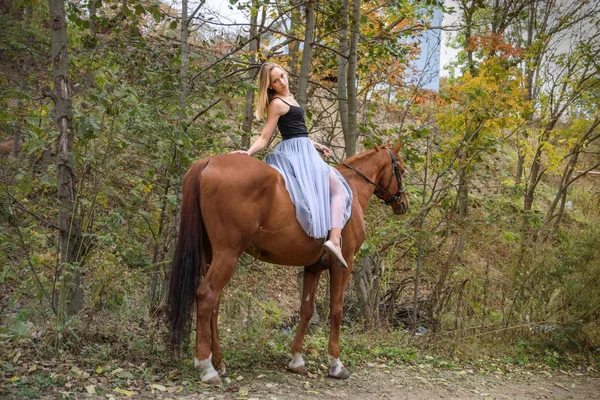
column 307, row 304
column 207, row 300
column 339, row 277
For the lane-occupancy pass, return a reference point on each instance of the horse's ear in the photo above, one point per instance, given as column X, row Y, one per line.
column 397, row 146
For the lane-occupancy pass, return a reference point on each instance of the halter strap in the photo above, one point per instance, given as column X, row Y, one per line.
column 395, row 172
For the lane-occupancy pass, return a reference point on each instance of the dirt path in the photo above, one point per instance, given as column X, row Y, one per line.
column 53, row 380
column 403, row 383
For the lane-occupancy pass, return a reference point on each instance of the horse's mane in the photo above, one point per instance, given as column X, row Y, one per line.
column 365, row 154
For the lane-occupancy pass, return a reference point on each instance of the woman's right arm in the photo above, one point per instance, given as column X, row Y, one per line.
column 275, row 110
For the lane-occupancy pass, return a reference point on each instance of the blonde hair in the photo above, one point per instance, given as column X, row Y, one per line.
column 265, row 95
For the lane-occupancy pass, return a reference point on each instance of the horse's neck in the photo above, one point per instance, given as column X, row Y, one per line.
column 370, row 166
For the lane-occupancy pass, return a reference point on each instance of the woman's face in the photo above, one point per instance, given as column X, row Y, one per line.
column 279, row 81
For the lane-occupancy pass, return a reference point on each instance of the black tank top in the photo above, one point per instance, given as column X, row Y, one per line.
column 291, row 124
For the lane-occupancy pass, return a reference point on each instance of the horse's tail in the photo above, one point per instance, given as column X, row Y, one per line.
column 189, row 256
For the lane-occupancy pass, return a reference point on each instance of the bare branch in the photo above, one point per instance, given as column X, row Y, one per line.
column 214, row 103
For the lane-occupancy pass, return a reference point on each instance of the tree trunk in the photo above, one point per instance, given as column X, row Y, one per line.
column 421, row 234
column 249, row 106
column 69, row 229
column 529, row 79
column 462, row 195
column 352, row 79
column 469, row 11
column 309, row 37
column 183, row 69
column 158, row 255
column 366, row 283
column 567, row 180
column 520, row 162
column 92, row 8
column 182, row 124
column 302, row 98
column 294, row 46
column 343, row 73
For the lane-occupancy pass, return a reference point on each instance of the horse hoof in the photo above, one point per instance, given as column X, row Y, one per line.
column 301, row 370
column 221, row 370
column 339, row 374
column 216, row 381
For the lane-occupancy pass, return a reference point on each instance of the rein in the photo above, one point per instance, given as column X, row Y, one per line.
column 395, row 172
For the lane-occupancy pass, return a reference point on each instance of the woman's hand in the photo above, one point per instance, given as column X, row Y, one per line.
column 246, row 152
column 323, row 149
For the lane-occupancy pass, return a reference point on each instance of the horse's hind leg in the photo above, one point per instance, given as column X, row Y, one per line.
column 217, row 355
column 309, row 288
column 207, row 299
column 338, row 281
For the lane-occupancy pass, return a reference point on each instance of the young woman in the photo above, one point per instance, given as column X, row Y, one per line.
column 319, row 192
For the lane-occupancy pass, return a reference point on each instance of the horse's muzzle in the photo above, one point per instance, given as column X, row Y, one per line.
column 400, row 206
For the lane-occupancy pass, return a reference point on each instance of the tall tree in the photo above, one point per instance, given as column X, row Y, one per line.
column 469, row 8
column 342, row 75
column 294, row 46
column 351, row 79
column 570, row 175
column 305, row 69
column 69, row 228
column 253, row 48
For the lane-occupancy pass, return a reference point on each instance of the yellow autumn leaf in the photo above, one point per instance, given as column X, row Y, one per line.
column 127, row 393
column 158, row 387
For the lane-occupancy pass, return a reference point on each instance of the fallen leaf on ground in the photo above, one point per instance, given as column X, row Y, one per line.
column 159, row 387
column 175, row 389
column 127, row 393
column 124, row 374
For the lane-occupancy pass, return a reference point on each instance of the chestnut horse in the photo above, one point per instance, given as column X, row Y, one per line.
column 234, row 204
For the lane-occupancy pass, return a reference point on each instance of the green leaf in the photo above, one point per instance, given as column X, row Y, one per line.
column 155, row 11
column 172, row 199
column 19, row 328
column 6, row 273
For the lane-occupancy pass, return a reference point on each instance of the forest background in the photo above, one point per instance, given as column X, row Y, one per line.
column 104, row 106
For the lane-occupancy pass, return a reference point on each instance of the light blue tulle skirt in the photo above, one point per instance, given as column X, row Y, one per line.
column 306, row 178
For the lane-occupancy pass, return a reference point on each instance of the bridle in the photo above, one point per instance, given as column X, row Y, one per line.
column 395, row 172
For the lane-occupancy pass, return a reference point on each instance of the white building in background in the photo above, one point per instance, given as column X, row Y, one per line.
column 426, row 68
